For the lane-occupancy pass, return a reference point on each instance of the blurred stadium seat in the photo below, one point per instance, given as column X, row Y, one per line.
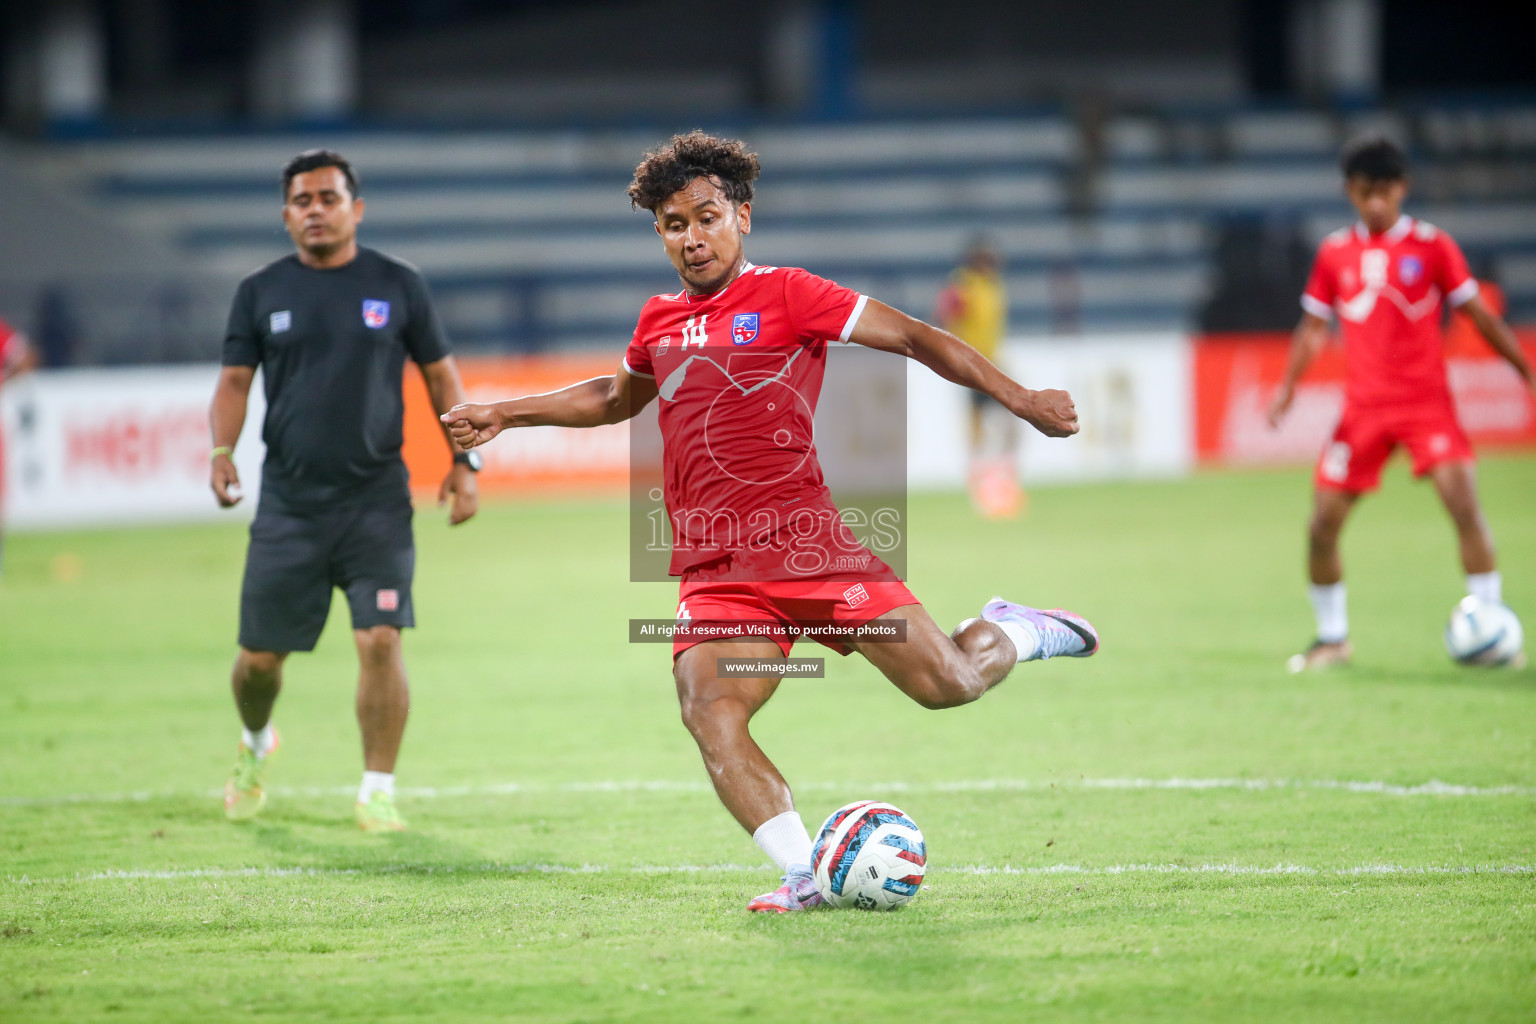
column 1113, row 206
column 530, row 242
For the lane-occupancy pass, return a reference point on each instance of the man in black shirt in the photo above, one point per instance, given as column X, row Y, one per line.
column 331, row 327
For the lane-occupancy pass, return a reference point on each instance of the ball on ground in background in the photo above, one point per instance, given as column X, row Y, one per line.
column 1484, row 633
column 869, row 855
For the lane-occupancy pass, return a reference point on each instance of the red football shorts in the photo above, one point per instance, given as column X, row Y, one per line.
column 716, row 609
column 1364, row 439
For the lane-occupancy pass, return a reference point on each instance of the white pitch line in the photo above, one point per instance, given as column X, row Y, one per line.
column 1375, row 870
column 1434, row 787
column 1246, row 869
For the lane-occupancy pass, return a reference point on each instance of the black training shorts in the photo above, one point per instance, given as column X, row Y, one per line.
column 294, row 560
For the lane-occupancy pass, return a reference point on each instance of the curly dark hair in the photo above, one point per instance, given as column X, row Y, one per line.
column 670, row 168
column 1375, row 157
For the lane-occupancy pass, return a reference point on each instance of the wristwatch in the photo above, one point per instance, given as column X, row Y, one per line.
column 471, row 459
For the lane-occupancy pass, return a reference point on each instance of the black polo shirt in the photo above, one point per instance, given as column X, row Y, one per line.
column 332, row 346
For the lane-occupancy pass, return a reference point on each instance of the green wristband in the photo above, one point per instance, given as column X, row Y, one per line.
column 221, row 450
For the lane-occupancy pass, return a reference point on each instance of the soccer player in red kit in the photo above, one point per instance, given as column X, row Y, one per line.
column 16, row 358
column 736, row 358
column 1387, row 278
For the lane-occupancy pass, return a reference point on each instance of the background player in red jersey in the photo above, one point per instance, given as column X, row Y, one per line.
column 1386, row 277
column 736, row 358
column 16, row 358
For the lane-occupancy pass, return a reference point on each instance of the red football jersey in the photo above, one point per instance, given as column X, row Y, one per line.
column 739, row 373
column 1388, row 290
column 12, row 347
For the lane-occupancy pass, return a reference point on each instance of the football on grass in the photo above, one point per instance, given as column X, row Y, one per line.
column 1484, row 633
column 869, row 855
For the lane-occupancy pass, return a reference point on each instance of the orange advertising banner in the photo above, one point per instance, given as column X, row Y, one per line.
column 529, row 461
column 1236, row 376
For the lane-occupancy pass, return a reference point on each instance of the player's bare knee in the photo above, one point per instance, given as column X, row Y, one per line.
column 1323, row 533
column 960, row 691
column 942, row 699
column 709, row 718
column 265, row 663
column 948, row 686
column 378, row 644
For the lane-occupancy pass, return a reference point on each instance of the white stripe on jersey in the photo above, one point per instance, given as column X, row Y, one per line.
column 853, row 319
column 1463, row 294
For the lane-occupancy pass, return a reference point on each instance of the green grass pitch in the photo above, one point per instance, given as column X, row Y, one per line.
column 567, row 861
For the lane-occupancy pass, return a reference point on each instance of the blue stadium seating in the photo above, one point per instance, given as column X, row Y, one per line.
column 529, row 241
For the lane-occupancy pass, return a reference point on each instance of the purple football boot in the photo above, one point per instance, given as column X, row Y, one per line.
column 1060, row 633
column 798, row 892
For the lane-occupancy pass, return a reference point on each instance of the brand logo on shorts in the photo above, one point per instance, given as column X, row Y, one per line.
column 375, row 313
column 743, row 328
column 280, row 321
column 855, row 595
column 389, row 600
column 1336, row 462
column 1439, row 444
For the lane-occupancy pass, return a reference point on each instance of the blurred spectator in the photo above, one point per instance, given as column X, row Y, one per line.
column 974, row 308
column 57, row 330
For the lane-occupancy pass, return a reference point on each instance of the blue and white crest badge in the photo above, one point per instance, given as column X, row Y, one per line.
column 375, row 313
column 1410, row 269
column 743, row 328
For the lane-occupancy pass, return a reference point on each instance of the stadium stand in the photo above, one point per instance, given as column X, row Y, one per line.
column 529, row 242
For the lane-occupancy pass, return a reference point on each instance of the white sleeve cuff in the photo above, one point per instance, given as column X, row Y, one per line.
column 636, row 373
column 853, row 319
column 1463, row 293
column 1316, row 307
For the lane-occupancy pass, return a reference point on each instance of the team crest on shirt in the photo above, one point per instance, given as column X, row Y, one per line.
column 375, row 313
column 664, row 344
column 1410, row 269
column 743, row 328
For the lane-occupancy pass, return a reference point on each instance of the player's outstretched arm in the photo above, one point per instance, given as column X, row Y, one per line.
column 1499, row 337
column 226, row 417
column 591, row 403
column 1307, row 341
column 890, row 330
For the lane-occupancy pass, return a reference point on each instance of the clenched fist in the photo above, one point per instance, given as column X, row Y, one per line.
column 471, row 425
column 1050, row 412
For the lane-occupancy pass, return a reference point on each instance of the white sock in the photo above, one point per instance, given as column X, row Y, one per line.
column 261, row 741
column 1486, row 586
column 786, row 842
column 376, row 782
column 1328, row 603
column 1025, row 638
